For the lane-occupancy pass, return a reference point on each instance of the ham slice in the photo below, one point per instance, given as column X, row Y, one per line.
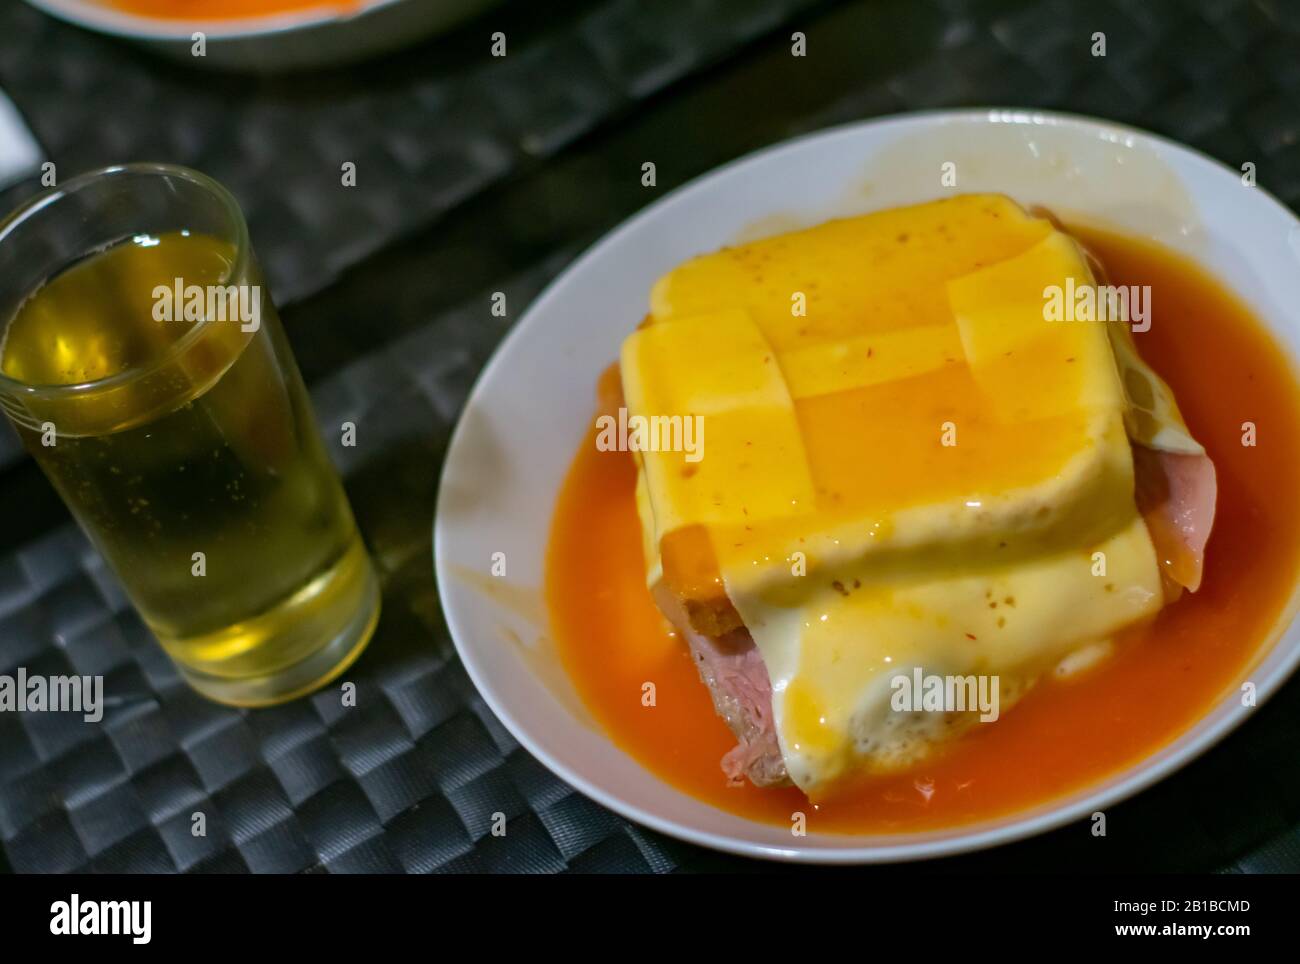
column 733, row 669
column 1176, row 495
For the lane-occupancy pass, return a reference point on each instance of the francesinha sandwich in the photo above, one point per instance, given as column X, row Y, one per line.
column 905, row 467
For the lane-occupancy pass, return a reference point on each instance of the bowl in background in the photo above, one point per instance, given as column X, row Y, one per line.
column 329, row 34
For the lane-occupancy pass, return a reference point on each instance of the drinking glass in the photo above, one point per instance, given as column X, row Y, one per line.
column 148, row 374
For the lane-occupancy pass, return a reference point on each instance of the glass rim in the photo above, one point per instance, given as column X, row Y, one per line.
column 52, row 195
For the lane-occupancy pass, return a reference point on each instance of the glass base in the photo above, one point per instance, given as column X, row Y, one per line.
column 311, row 672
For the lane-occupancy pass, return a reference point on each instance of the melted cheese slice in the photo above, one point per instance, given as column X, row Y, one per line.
column 1152, row 418
column 896, row 442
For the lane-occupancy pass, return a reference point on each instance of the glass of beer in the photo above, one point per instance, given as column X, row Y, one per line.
column 147, row 372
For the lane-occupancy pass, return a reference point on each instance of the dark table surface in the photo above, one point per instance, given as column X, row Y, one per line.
column 479, row 174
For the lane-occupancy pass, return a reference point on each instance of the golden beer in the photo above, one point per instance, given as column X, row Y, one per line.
column 184, row 444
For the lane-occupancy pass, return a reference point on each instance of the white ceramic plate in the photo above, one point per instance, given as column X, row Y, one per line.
column 315, row 37
column 532, row 405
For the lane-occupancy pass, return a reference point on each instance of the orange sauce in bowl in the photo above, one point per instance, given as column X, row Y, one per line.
column 1224, row 368
column 229, row 9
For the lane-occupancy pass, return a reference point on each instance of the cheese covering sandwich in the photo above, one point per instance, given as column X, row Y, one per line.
column 907, row 467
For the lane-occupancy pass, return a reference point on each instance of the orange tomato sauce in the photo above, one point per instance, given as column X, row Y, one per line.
column 224, row 9
column 1224, row 369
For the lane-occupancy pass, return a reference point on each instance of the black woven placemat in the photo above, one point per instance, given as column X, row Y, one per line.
column 427, row 129
column 409, row 779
